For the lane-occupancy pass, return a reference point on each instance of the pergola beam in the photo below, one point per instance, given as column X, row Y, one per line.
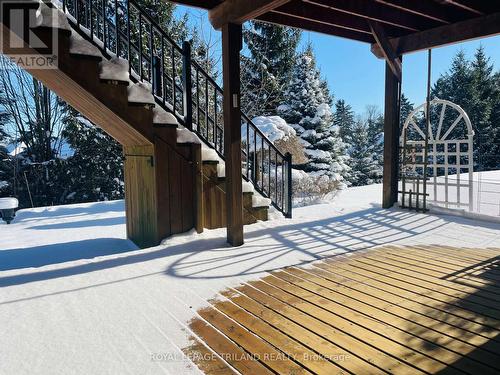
column 425, row 9
column 288, row 20
column 377, row 12
column 386, row 48
column 319, row 14
column 239, row 11
column 444, row 35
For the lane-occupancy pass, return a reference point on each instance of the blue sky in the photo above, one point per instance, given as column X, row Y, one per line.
column 357, row 76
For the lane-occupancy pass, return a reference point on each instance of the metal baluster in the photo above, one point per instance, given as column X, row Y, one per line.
column 116, row 30
column 215, row 116
column 129, row 41
column 187, row 85
column 276, row 175
column 77, row 12
column 289, row 185
column 151, row 54
column 248, row 150
column 269, row 170
column 174, row 96
column 91, row 6
column 104, row 24
column 207, row 122
column 254, row 164
column 262, row 162
column 198, row 100
column 141, row 73
column 163, row 88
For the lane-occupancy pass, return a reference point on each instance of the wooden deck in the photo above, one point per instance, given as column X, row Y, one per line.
column 400, row 310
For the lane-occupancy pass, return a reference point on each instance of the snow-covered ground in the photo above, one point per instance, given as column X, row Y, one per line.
column 76, row 297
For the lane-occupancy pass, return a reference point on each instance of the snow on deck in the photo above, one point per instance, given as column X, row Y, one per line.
column 77, row 296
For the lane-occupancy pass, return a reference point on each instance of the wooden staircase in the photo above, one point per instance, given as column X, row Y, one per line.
column 169, row 189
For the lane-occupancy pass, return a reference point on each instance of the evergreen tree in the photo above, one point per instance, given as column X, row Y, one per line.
column 365, row 169
column 375, row 128
column 267, row 68
column 344, row 120
column 307, row 110
column 405, row 109
column 95, row 170
column 472, row 86
column 5, row 162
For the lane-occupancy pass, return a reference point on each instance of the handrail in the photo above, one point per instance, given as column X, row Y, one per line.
column 182, row 86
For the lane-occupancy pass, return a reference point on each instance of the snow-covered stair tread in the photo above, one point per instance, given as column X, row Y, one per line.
column 80, row 46
column 140, row 92
column 160, row 116
column 259, row 201
column 51, row 17
column 115, row 69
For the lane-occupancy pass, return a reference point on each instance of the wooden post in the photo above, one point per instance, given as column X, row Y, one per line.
column 231, row 47
column 391, row 138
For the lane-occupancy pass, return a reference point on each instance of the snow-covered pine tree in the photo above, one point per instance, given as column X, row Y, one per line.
column 266, row 70
column 365, row 169
column 5, row 165
column 344, row 120
column 307, row 109
column 405, row 109
column 375, row 124
column 95, row 170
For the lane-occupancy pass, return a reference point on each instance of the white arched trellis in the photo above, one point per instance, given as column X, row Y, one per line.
column 449, row 166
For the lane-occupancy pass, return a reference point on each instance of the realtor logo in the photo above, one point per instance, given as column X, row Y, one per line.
column 29, row 35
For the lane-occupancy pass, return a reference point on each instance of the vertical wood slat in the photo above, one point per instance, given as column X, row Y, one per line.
column 231, row 47
column 391, row 139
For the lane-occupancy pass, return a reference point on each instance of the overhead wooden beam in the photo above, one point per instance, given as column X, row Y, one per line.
column 431, row 10
column 203, row 4
column 377, row 12
column 444, row 35
column 287, row 20
column 466, row 5
column 386, row 48
column 319, row 14
column 231, row 47
column 239, row 11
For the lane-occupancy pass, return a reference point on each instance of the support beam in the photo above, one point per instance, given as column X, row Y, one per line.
column 390, row 56
column 377, row 12
column 430, row 10
column 231, row 47
column 391, row 139
column 444, row 35
column 280, row 19
column 239, row 11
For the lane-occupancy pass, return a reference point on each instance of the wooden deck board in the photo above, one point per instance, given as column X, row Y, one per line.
column 392, row 309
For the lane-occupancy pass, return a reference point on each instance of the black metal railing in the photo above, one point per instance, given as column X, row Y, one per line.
column 121, row 28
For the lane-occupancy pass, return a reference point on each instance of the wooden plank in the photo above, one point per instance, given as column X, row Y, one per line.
column 326, row 341
column 407, row 297
column 389, row 299
column 473, row 310
column 470, row 29
column 175, row 170
column 206, row 360
column 322, row 15
column 239, row 11
column 198, row 188
column 232, row 353
column 447, row 268
column 426, row 9
column 390, row 56
column 435, row 278
column 300, row 23
column 377, row 12
column 311, row 360
column 391, row 139
column 231, row 46
column 400, row 326
column 261, row 350
column 396, row 342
